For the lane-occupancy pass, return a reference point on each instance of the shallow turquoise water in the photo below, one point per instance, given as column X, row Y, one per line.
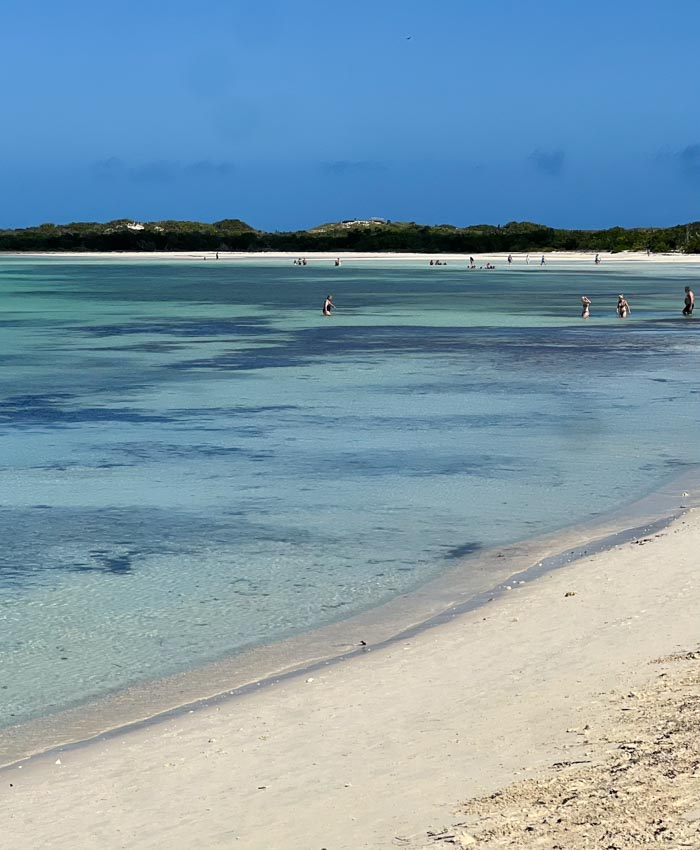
column 193, row 460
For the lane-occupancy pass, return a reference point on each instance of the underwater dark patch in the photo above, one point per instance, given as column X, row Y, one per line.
column 455, row 552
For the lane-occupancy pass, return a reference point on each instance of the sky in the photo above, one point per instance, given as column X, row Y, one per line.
column 290, row 114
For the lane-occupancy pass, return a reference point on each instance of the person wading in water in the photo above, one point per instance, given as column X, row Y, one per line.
column 689, row 302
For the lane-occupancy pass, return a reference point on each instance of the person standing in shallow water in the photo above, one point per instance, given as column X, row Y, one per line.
column 623, row 308
column 586, row 304
column 689, row 302
column 328, row 305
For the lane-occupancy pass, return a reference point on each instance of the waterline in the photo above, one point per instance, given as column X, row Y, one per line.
column 194, row 463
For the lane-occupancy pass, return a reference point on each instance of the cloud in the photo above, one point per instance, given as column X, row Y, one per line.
column 157, row 171
column 689, row 160
column 110, row 167
column 206, row 168
column 345, row 166
column 550, row 163
column 681, row 163
column 160, row 171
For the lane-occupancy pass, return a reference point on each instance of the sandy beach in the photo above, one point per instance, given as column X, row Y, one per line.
column 387, row 748
column 328, row 257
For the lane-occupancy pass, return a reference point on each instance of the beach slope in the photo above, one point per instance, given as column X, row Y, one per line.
column 380, row 751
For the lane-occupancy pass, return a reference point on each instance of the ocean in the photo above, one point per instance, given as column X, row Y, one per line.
column 195, row 462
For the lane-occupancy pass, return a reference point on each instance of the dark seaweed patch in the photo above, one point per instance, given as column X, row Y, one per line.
column 463, row 550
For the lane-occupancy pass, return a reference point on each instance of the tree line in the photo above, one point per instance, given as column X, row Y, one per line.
column 236, row 235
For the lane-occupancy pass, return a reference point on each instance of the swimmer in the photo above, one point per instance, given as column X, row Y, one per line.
column 586, row 304
column 689, row 302
column 328, row 305
column 623, row 308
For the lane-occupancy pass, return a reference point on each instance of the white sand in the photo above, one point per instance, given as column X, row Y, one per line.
column 377, row 751
column 552, row 258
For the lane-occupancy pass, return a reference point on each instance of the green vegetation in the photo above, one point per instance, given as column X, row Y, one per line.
column 371, row 235
column 126, row 235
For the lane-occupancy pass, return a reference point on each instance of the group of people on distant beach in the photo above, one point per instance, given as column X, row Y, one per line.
column 472, row 264
column 302, row 261
column 623, row 308
column 527, row 259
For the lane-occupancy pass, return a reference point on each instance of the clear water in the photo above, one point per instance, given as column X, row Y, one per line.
column 193, row 460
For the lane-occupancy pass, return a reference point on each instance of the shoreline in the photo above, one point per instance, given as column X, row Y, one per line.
column 587, row 257
column 472, row 583
column 378, row 752
column 436, row 626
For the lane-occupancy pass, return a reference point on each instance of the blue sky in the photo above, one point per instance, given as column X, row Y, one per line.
column 288, row 114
